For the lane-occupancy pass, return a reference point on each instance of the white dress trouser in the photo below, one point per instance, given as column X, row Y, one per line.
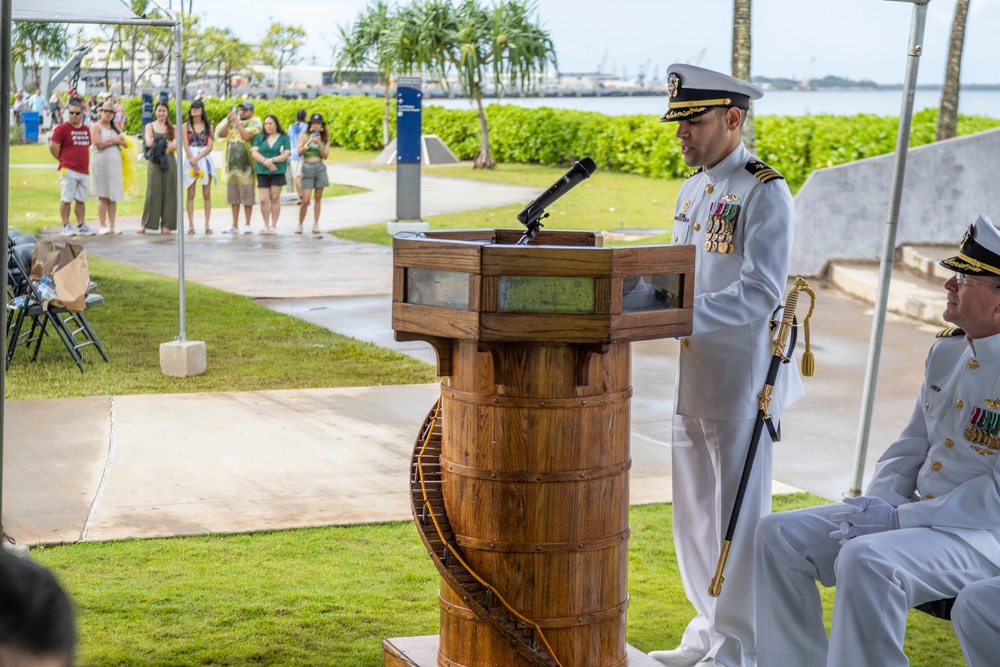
column 879, row 578
column 707, row 462
column 976, row 617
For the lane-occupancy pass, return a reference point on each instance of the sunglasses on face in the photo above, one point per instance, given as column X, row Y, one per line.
column 75, row 113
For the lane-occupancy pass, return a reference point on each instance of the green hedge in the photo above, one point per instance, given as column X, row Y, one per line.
column 794, row 145
column 353, row 122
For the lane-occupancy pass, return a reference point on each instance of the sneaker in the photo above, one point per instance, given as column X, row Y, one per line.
column 231, row 230
column 84, row 230
column 68, row 230
column 247, row 230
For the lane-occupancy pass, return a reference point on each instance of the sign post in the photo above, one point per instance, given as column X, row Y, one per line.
column 408, row 148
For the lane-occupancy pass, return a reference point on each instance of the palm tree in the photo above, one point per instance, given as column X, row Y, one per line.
column 372, row 42
column 948, row 115
column 741, row 62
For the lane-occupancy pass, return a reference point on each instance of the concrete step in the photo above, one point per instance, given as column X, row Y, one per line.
column 923, row 260
column 916, row 288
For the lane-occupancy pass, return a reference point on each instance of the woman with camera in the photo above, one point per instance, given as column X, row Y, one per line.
column 314, row 147
column 271, row 150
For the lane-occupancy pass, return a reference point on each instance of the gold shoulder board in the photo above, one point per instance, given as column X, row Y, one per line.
column 762, row 172
column 696, row 172
column 949, row 332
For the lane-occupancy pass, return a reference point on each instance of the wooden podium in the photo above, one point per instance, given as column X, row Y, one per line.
column 520, row 472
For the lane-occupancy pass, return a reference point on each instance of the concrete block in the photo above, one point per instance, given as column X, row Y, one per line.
column 183, row 358
column 406, row 226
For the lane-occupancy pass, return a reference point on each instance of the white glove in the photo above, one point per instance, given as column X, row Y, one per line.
column 864, row 516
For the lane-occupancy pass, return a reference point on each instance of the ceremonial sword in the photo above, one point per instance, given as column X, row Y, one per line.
column 778, row 357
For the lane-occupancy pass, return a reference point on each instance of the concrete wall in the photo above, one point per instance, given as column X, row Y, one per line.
column 842, row 210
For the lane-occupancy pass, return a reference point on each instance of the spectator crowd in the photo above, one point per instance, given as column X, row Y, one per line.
column 260, row 160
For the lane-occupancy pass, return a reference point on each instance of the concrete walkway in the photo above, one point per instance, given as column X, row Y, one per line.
column 158, row 465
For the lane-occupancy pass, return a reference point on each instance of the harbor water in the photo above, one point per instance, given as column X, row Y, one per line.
column 776, row 102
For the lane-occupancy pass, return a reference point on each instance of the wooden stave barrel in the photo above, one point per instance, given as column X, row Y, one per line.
column 535, row 473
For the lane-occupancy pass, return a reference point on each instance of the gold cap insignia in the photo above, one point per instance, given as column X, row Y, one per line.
column 673, row 85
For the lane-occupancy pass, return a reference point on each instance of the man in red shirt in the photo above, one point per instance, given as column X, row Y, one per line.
column 70, row 144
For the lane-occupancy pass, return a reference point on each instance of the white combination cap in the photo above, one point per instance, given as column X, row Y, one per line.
column 695, row 90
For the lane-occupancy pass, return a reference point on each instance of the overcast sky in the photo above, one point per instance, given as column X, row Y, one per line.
column 858, row 39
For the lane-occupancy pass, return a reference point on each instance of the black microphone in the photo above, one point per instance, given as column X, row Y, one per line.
column 535, row 211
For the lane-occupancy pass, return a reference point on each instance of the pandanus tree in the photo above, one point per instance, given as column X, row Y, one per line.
column 470, row 39
column 505, row 40
column 372, row 41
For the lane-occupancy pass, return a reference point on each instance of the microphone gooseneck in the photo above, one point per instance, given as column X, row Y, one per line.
column 533, row 213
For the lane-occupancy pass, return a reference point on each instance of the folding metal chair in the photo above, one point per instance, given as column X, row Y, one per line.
column 73, row 329
column 938, row 608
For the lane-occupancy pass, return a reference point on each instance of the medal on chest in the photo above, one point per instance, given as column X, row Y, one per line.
column 982, row 430
column 719, row 230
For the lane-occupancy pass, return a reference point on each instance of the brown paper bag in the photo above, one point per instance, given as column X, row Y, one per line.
column 66, row 262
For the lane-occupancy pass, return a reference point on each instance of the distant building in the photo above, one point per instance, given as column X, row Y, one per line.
column 362, row 77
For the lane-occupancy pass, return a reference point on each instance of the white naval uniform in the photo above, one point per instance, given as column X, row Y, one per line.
column 943, row 476
column 722, row 368
column 976, row 617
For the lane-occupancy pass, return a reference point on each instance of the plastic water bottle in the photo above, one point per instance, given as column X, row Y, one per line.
column 47, row 288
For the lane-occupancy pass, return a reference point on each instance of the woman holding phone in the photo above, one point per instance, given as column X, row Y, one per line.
column 314, row 147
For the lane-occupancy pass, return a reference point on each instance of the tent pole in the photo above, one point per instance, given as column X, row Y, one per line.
column 918, row 22
column 6, row 17
column 179, row 116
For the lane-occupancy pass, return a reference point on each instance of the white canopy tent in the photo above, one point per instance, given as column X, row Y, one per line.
column 69, row 11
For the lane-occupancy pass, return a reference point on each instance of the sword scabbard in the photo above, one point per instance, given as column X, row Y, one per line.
column 715, row 588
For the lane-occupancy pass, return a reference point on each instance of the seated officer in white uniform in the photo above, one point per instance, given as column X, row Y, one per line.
column 976, row 617
column 739, row 215
column 927, row 525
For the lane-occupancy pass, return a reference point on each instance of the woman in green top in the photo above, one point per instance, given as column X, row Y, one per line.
column 271, row 150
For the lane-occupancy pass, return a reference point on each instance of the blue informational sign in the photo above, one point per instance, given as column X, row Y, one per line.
column 408, row 124
column 147, row 111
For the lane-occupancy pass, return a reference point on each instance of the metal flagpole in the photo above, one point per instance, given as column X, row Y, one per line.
column 889, row 247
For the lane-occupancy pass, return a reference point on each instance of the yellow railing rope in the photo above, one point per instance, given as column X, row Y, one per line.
column 454, row 552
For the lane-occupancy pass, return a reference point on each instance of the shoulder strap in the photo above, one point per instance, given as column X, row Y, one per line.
column 762, row 172
column 949, row 332
column 696, row 172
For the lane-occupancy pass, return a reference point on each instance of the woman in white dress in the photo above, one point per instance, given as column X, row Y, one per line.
column 106, row 167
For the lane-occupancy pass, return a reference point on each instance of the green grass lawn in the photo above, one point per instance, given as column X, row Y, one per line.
column 607, row 202
column 329, row 596
column 141, row 312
